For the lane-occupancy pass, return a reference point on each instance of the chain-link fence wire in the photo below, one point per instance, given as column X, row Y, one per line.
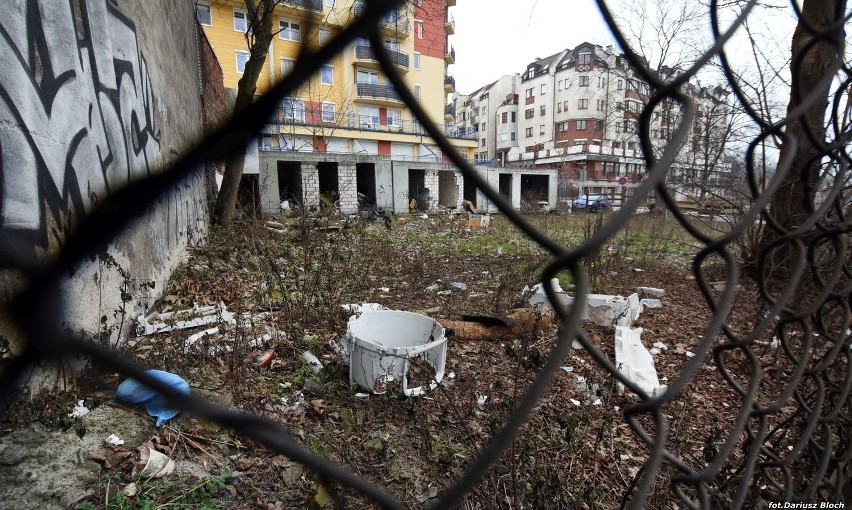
column 796, row 446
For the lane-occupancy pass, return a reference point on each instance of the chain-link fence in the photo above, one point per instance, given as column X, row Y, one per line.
column 795, row 445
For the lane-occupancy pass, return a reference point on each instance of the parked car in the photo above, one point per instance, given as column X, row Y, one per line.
column 592, row 203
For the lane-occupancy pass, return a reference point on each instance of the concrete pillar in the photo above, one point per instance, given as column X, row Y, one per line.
column 431, row 183
column 516, row 191
column 384, row 186
column 347, row 188
column 459, row 178
column 400, row 187
column 270, row 202
column 552, row 190
column 310, row 186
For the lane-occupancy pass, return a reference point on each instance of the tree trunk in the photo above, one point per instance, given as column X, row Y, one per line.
column 260, row 16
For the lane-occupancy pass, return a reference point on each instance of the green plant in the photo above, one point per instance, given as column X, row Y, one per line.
column 160, row 495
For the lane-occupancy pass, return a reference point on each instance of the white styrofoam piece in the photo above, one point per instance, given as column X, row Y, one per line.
column 634, row 361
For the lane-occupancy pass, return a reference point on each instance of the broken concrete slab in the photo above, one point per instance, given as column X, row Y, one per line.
column 536, row 295
column 607, row 310
column 634, row 361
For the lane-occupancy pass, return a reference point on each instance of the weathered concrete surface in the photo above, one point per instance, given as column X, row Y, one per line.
column 95, row 95
column 634, row 361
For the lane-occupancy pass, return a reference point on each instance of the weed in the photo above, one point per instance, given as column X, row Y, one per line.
column 166, row 493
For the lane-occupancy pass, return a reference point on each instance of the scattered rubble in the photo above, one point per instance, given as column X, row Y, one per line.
column 634, row 361
column 183, row 319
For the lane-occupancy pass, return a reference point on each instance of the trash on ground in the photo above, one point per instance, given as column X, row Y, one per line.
column 153, row 464
column 431, row 288
column 522, row 320
column 690, row 354
column 363, row 307
column 313, row 362
column 459, row 285
column 195, row 337
column 536, row 295
column 79, row 410
column 264, row 359
column 576, row 345
column 653, row 291
column 114, row 440
column 424, row 216
column 597, row 402
column 478, row 221
column 482, row 400
column 651, row 303
column 568, row 369
column 774, row 343
column 183, row 319
column 634, row 361
column 130, row 390
column 362, row 395
column 314, row 388
column 575, row 402
column 130, row 489
column 396, row 347
column 384, row 290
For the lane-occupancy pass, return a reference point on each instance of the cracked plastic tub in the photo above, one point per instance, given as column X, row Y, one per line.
column 390, row 348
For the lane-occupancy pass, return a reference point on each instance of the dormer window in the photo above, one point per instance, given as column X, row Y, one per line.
column 585, row 59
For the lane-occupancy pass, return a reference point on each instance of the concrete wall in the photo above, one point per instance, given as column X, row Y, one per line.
column 94, row 96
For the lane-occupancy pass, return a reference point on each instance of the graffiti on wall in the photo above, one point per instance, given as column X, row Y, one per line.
column 77, row 116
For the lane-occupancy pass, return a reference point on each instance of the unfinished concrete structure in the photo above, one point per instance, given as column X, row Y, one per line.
column 351, row 182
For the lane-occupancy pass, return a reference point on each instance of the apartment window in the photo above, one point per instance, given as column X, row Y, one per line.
column 367, row 76
column 418, row 28
column 581, row 125
column 580, row 141
column 583, row 104
column 505, row 117
column 559, row 85
column 483, row 110
column 562, row 127
column 632, row 85
column 417, row 92
column 619, row 85
column 416, row 61
column 240, row 23
column 643, row 88
column 394, row 117
column 324, row 36
column 619, row 105
column 512, row 136
column 482, row 142
column 329, row 3
column 294, row 110
column 618, row 127
column 482, row 127
column 242, row 59
column 632, row 106
column 541, row 129
column 529, row 132
column 585, row 59
column 558, row 107
column 369, row 116
column 514, row 117
column 544, row 88
column 328, row 112
column 529, row 148
column 287, row 66
column 600, row 105
column 289, row 30
column 598, row 125
column 565, row 105
column 327, row 75
column 419, row 3
column 542, row 110
column 584, row 81
column 529, row 93
column 202, row 12
column 529, row 113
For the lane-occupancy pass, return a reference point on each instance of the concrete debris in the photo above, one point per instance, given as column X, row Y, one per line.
column 536, row 295
column 183, row 319
column 607, row 310
column 314, row 388
column 651, row 303
column 658, row 347
column 653, row 291
column 520, row 321
column 192, row 339
column 312, row 361
column 384, row 344
column 634, row 361
column 79, row 410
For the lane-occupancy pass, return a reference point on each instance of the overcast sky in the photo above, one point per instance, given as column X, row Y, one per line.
column 497, row 37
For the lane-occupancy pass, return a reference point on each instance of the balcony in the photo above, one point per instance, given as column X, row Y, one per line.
column 311, row 5
column 365, row 54
column 449, row 84
column 450, row 25
column 450, row 55
column 378, row 93
column 451, row 3
column 449, row 112
column 393, row 22
column 309, row 118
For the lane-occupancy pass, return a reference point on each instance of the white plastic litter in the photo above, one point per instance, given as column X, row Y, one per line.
column 192, row 339
column 79, row 410
column 597, row 402
column 459, row 285
column 653, row 291
column 568, row 369
column 536, row 295
column 114, row 440
column 362, row 307
column 634, row 361
column 690, row 354
column 383, row 343
column 651, row 303
column 384, row 289
column 482, row 399
column 156, row 465
column 575, row 402
column 312, row 361
column 194, row 317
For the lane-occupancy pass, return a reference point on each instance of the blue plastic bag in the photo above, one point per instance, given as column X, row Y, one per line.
column 135, row 392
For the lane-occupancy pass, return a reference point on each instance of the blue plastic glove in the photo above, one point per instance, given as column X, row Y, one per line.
column 135, row 392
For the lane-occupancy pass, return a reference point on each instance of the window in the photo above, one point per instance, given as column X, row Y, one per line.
column 329, row 3
column 529, row 93
column 544, row 88
column 482, row 142
column 242, row 59
column 505, row 117
column 632, row 106
column 529, row 148
column 542, row 110
column 583, row 104
column 541, row 129
column 559, row 85
column 600, row 105
column 581, row 125
column 294, row 110
column 240, row 23
column 417, row 92
column 419, row 3
column 394, row 117
column 514, row 117
column 558, row 107
column 482, row 127
column 202, row 12
column 512, row 136
column 529, row 113
column 618, row 127
column 598, row 125
column 529, row 132
column 327, row 75
column 369, row 116
column 324, row 36
column 483, row 110
column 584, row 81
column 367, row 76
column 287, row 66
column 418, row 28
column 328, row 112
column 416, row 61
column 289, row 30
column 562, row 127
column 619, row 85
column 585, row 59
column 631, row 85
column 565, row 106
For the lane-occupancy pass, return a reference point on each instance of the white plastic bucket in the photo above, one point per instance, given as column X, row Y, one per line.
column 384, row 343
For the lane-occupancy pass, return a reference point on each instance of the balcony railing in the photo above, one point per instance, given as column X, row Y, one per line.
column 450, row 25
column 313, row 118
column 365, row 52
column 311, row 5
column 377, row 90
column 450, row 55
column 449, row 82
column 392, row 20
column 450, row 109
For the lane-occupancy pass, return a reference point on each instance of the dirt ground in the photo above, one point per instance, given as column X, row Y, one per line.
column 576, row 450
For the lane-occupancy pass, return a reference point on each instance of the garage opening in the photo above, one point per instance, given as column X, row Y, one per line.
column 329, row 186
column 418, row 193
column 365, row 183
column 470, row 191
column 290, row 183
column 448, row 192
column 248, row 196
column 534, row 192
column 505, row 186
